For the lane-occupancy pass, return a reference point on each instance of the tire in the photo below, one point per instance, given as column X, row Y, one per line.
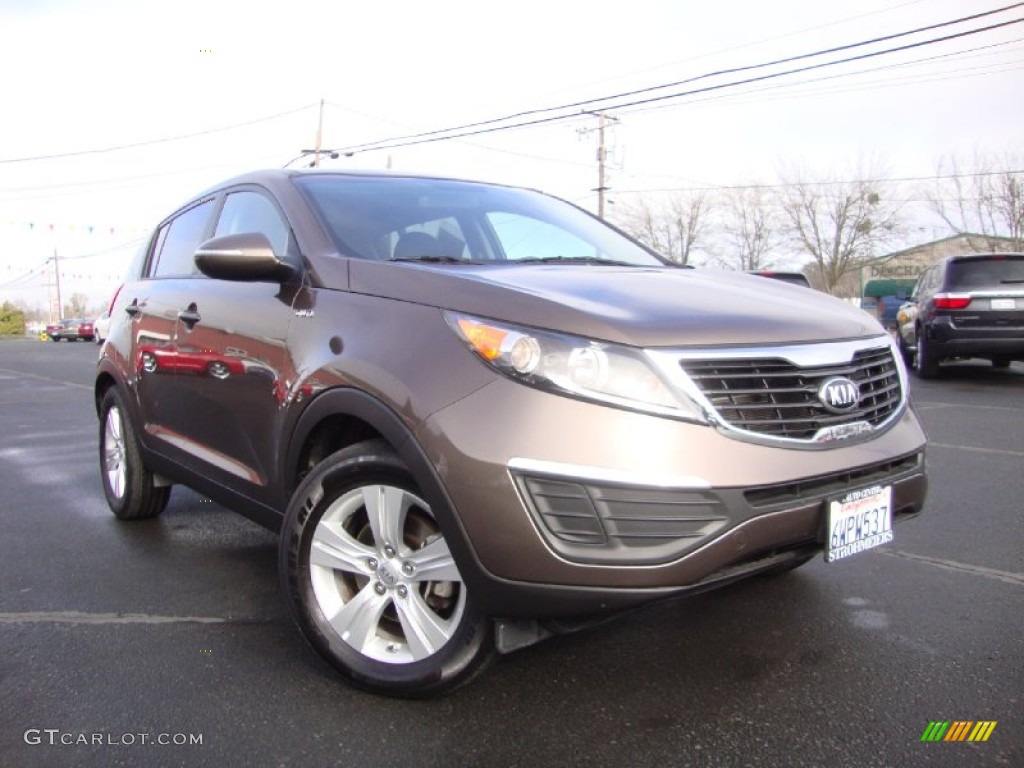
column 925, row 364
column 361, row 599
column 129, row 487
column 906, row 354
column 55, row 338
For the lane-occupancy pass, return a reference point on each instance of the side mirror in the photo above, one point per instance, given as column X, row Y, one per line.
column 246, row 257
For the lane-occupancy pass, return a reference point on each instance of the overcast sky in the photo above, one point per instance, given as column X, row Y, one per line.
column 84, row 75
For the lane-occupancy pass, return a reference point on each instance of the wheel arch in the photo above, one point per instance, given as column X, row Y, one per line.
column 346, row 416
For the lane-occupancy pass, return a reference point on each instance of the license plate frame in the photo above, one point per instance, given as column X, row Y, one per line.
column 857, row 520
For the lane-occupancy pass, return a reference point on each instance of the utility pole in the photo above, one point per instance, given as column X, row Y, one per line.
column 602, row 157
column 319, row 132
column 56, row 273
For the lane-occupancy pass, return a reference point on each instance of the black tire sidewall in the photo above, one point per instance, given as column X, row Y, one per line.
column 140, row 499
column 925, row 364
column 456, row 662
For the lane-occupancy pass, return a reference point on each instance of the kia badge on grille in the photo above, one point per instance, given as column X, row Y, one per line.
column 839, row 395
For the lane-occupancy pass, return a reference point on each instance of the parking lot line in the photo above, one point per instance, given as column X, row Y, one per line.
column 953, row 565
column 76, row 617
column 976, row 449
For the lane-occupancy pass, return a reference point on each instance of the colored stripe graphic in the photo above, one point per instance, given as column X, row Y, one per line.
column 982, row 730
column 958, row 730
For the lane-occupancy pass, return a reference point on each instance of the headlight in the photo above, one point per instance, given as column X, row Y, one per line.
column 571, row 365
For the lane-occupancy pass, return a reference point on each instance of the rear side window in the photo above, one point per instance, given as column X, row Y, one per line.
column 252, row 212
column 990, row 273
column 177, row 242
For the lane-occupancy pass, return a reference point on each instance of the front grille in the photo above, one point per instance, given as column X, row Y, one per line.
column 775, row 397
column 813, row 488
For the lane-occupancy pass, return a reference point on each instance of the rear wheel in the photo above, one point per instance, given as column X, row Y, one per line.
column 130, row 488
column 905, row 353
column 371, row 582
column 925, row 364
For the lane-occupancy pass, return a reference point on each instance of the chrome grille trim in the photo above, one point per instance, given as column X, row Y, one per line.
column 769, row 394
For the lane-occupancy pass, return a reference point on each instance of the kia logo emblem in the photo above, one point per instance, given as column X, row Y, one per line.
column 839, row 395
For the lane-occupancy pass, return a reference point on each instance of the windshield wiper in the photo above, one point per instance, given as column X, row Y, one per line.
column 433, row 259
column 1012, row 280
column 574, row 260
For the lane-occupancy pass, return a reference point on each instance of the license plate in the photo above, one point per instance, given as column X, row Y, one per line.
column 859, row 520
column 1004, row 303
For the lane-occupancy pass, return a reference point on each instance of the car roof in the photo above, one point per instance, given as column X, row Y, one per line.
column 272, row 177
column 983, row 256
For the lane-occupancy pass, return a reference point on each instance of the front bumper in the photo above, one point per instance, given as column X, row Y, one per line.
column 573, row 507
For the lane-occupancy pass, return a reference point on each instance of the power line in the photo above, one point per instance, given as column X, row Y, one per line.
column 755, row 43
column 920, row 77
column 151, row 142
column 467, row 129
column 783, row 185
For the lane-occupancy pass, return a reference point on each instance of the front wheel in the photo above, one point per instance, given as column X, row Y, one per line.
column 371, row 582
column 130, row 488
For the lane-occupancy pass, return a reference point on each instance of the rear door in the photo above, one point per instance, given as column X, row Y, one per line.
column 153, row 303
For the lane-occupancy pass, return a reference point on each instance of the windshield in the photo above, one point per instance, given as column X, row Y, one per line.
column 400, row 218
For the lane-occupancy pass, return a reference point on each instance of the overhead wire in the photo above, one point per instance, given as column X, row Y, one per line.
column 826, row 183
column 151, row 142
column 487, row 126
column 921, row 77
column 655, row 99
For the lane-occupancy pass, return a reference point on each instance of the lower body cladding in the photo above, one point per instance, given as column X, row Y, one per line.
column 574, row 509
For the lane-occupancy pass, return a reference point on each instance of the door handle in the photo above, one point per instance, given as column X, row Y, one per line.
column 190, row 316
column 133, row 309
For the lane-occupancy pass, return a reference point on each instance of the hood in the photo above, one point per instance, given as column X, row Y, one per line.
column 639, row 306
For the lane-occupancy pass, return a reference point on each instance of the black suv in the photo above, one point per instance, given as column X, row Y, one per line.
column 965, row 306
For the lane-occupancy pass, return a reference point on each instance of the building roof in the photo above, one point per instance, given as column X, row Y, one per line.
column 993, row 242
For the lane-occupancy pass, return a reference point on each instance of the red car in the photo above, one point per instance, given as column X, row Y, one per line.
column 71, row 329
column 186, row 359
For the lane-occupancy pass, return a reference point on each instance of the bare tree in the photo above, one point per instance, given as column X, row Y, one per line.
column 986, row 201
column 76, row 307
column 674, row 226
column 750, row 227
column 842, row 225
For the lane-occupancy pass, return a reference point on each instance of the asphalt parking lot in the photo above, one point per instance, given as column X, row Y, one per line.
column 166, row 642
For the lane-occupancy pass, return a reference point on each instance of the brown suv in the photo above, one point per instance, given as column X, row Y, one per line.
column 476, row 412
